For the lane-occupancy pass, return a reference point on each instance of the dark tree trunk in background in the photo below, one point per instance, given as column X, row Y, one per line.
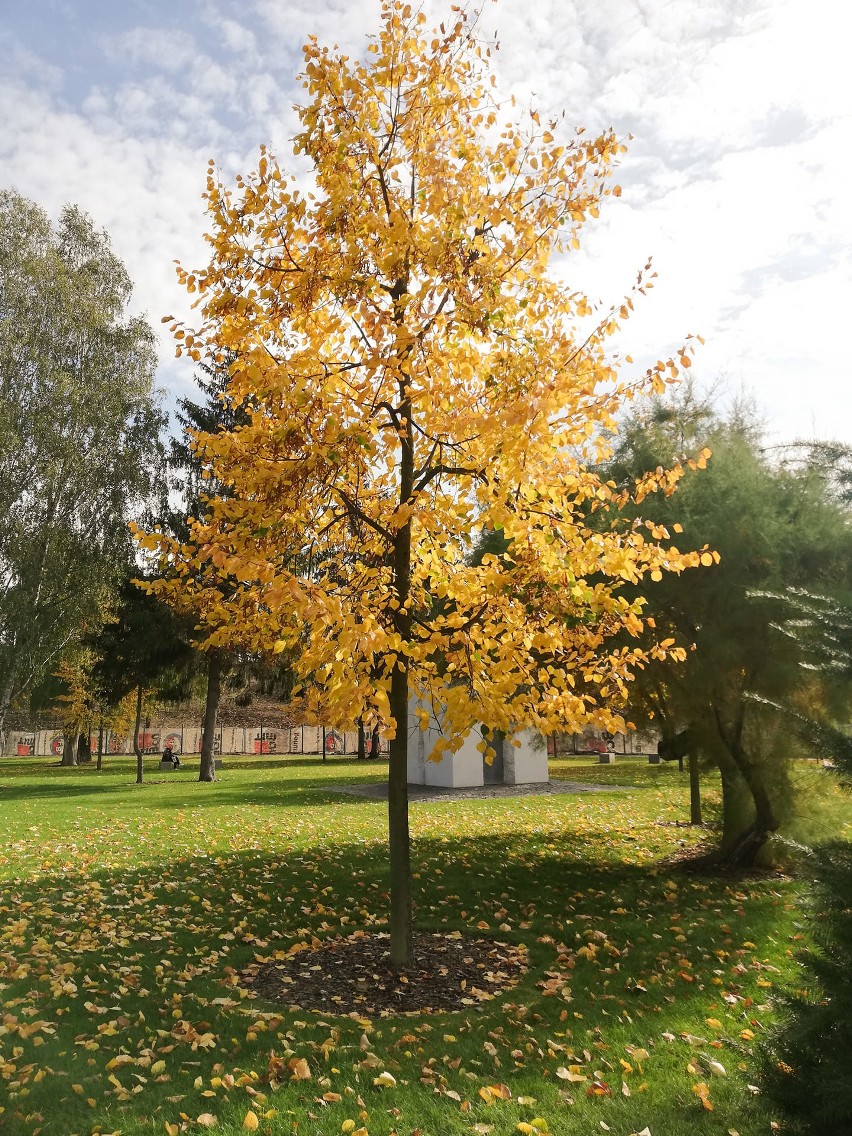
column 694, row 790
column 742, row 849
column 84, row 749
column 5, row 702
column 100, row 744
column 137, row 749
column 374, row 743
column 69, row 749
column 215, row 670
column 362, row 741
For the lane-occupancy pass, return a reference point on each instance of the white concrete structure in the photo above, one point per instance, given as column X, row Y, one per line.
column 526, row 763
column 522, row 764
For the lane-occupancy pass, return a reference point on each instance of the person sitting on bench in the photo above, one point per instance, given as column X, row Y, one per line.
column 170, row 755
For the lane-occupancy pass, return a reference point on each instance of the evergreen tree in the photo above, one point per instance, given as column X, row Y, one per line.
column 192, row 480
column 808, row 1072
column 774, row 526
column 144, row 647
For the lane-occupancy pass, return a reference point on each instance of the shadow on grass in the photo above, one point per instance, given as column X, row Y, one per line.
column 87, row 781
column 151, row 948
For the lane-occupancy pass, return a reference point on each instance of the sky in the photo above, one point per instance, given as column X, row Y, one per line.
column 735, row 181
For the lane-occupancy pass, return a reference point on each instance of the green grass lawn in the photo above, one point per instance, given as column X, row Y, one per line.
column 129, row 911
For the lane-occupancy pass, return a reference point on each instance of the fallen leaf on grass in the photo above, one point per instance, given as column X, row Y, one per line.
column 571, row 1074
column 598, row 1089
column 300, row 1070
column 703, row 1093
column 490, row 1093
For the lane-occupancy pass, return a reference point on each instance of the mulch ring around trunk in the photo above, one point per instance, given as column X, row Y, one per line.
column 354, row 976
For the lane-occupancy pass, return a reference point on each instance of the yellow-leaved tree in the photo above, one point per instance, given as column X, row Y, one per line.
column 413, row 375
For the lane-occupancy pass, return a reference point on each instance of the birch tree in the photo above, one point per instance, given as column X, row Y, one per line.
column 78, row 433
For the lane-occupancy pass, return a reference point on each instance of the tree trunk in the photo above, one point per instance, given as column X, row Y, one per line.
column 100, row 744
column 694, row 789
column 741, row 850
column 398, row 831
column 362, row 741
column 5, row 701
column 750, row 842
column 84, row 749
column 137, row 749
column 215, row 670
column 69, row 750
column 375, row 743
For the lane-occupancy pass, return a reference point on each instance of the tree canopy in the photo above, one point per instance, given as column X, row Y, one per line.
column 79, row 433
column 775, row 526
column 412, row 371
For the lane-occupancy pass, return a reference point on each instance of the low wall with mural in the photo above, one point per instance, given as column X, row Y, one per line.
column 185, row 739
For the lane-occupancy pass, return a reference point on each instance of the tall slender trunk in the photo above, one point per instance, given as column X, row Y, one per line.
column 694, row 789
column 5, row 702
column 398, row 829
column 137, row 749
column 215, row 669
column 375, row 743
column 100, row 744
column 362, row 740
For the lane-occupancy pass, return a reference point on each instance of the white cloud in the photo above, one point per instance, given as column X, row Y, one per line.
column 159, row 48
column 735, row 180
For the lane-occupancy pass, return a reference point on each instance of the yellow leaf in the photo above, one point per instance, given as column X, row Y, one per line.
column 569, row 1074
column 299, row 1069
column 703, row 1093
column 117, row 1062
column 385, row 1079
column 250, row 1121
